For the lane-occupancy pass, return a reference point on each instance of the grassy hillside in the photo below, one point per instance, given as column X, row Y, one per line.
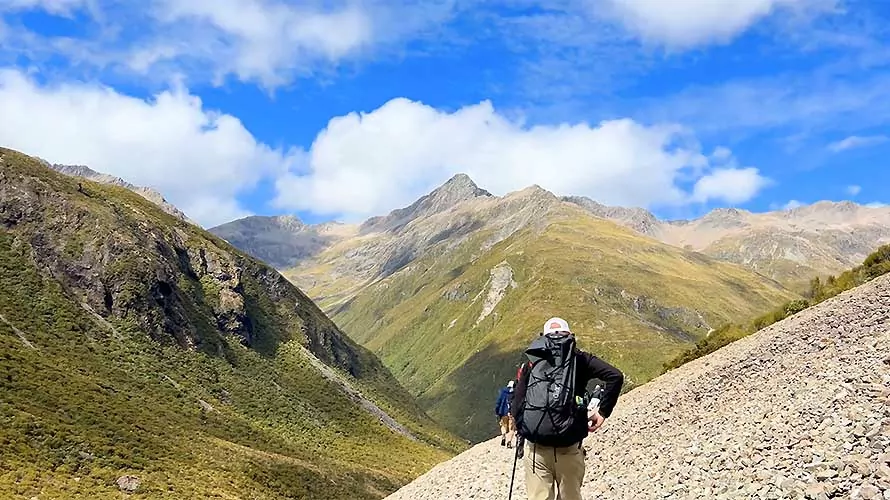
column 876, row 264
column 134, row 343
column 632, row 300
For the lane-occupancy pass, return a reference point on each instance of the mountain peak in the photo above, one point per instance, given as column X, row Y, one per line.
column 726, row 217
column 457, row 189
column 533, row 191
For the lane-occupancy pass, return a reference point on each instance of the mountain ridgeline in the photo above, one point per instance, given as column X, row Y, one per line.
column 142, row 353
column 449, row 290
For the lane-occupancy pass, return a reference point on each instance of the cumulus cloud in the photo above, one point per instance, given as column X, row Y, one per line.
column 198, row 159
column 733, row 185
column 687, row 23
column 369, row 163
column 256, row 39
column 855, row 141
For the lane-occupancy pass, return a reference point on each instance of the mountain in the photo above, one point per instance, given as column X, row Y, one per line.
column 448, row 290
column 149, row 194
column 448, row 297
column 638, row 219
column 140, row 352
column 281, row 241
column 797, row 410
column 791, row 245
column 456, row 190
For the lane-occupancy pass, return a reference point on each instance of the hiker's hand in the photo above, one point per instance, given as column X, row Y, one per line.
column 594, row 421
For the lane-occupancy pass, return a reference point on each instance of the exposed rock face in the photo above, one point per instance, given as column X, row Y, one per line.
column 501, row 278
column 147, row 193
column 800, row 409
column 124, row 263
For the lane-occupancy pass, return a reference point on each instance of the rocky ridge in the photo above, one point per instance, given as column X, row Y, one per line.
column 789, row 245
column 798, row 410
column 149, row 194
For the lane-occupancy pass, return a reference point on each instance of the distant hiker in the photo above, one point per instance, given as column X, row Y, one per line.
column 552, row 414
column 502, row 410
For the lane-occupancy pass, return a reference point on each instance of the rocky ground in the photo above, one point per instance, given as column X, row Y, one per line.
column 799, row 410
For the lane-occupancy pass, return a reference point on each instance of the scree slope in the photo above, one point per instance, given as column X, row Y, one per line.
column 798, row 410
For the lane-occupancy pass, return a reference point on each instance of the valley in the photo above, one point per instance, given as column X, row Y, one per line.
column 450, row 289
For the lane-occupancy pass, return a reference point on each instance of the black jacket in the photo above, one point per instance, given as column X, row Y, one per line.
column 589, row 367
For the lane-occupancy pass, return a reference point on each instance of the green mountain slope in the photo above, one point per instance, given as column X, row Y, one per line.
column 134, row 343
column 449, row 300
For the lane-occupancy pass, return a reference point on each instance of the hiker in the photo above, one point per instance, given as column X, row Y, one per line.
column 553, row 422
column 505, row 419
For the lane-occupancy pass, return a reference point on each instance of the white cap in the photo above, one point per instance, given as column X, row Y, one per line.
column 556, row 325
column 510, row 384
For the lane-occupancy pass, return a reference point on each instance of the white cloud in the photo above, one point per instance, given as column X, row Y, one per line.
column 855, row 141
column 268, row 42
column 58, row 7
column 853, row 190
column 687, row 23
column 733, row 185
column 198, row 159
column 366, row 164
column 258, row 39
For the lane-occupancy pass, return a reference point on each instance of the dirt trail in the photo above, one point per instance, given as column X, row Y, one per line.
column 798, row 410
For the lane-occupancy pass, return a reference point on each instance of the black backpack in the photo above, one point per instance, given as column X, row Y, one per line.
column 548, row 414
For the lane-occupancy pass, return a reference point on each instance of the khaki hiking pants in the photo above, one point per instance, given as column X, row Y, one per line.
column 550, row 471
column 508, row 428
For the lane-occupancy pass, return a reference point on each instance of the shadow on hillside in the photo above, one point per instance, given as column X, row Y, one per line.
column 464, row 402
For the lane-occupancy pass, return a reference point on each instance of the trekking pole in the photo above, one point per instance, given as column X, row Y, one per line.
column 513, row 475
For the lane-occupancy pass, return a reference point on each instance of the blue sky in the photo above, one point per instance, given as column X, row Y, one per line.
column 347, row 109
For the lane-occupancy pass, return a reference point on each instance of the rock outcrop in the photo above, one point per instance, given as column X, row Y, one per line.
column 798, row 410
column 149, row 194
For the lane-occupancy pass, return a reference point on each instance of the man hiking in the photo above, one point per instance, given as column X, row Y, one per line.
column 551, row 412
column 502, row 410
